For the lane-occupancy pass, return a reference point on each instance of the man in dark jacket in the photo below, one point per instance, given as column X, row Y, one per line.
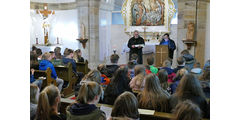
column 136, row 43
column 171, row 44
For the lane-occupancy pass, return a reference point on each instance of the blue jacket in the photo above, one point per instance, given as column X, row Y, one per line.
column 31, row 78
column 171, row 47
column 44, row 64
column 67, row 60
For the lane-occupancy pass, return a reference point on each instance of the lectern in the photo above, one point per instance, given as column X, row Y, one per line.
column 161, row 54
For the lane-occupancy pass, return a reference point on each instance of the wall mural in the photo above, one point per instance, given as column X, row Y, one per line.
column 147, row 16
column 147, row 12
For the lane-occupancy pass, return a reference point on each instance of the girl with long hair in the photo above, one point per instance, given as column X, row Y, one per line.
column 48, row 104
column 190, row 88
column 118, row 84
column 179, row 75
column 125, row 107
column 187, row 111
column 163, row 78
column 85, row 106
column 153, row 96
column 93, row 75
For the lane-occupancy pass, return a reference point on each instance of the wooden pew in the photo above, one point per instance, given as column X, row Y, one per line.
column 143, row 116
column 46, row 75
column 65, row 72
column 83, row 67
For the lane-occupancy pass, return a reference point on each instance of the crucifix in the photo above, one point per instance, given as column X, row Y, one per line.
column 45, row 13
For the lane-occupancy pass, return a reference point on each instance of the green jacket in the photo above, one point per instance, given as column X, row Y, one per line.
column 153, row 69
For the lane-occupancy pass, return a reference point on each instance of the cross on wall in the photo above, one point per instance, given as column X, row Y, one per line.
column 161, row 54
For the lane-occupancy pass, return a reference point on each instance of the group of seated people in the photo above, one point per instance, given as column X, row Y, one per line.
column 183, row 91
column 41, row 61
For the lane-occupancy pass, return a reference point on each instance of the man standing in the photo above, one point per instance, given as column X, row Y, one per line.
column 136, row 43
column 171, row 44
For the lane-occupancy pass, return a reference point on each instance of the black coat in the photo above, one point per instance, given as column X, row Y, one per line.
column 136, row 50
column 171, row 47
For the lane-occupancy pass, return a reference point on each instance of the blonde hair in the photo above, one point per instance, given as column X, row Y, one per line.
column 46, row 100
column 33, row 92
column 140, row 73
column 75, row 56
column 88, row 91
column 166, row 63
column 93, row 75
column 46, row 55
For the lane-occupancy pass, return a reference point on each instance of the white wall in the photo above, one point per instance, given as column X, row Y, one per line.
column 105, row 21
column 207, row 42
column 64, row 24
column 118, row 38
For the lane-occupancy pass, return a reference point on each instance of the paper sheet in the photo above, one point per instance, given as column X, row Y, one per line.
column 141, row 45
column 146, row 112
column 107, row 111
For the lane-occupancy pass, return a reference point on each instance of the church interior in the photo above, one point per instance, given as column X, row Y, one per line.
column 86, row 57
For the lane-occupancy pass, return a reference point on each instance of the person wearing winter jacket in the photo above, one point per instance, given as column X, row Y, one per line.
column 46, row 63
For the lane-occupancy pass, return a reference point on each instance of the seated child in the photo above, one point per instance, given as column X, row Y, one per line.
column 125, row 107
column 34, row 94
column 163, row 78
column 114, row 64
column 167, row 67
column 118, row 84
column 69, row 58
column 46, row 63
column 150, row 61
column 177, row 79
column 131, row 66
column 205, row 81
column 48, row 104
column 57, row 52
column 187, row 110
column 147, row 70
column 137, row 83
column 93, row 75
column 181, row 64
column 54, row 60
column 104, row 74
column 134, row 58
column 78, row 56
column 153, row 97
column 85, row 106
column 190, row 60
column 39, row 54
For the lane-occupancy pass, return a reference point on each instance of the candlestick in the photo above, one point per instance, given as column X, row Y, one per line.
column 36, row 40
